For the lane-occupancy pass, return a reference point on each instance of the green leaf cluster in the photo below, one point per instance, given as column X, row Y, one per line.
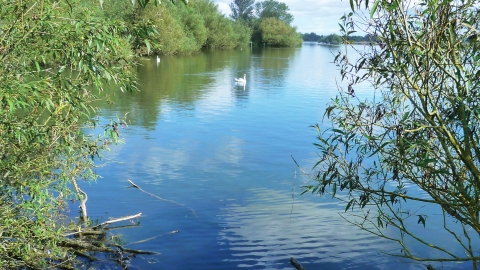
column 269, row 22
column 273, row 9
column 242, row 10
column 184, row 29
column 276, row 33
column 51, row 60
column 417, row 131
column 331, row 39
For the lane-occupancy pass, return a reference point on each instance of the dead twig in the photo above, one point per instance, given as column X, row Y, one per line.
column 151, row 238
column 162, row 199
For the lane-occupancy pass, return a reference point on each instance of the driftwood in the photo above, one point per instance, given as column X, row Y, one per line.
column 91, row 244
column 136, row 251
column 117, row 220
column 296, row 264
column 94, row 229
column 85, row 255
column 160, row 198
column 81, row 245
column 89, row 241
column 151, row 238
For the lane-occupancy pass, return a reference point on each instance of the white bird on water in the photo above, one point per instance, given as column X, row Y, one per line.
column 242, row 80
column 158, row 59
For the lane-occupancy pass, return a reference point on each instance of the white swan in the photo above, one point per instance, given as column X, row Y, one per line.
column 158, row 59
column 242, row 80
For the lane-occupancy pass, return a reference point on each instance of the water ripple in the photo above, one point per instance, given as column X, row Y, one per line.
column 263, row 229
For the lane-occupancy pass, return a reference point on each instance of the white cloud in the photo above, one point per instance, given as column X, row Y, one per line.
column 318, row 16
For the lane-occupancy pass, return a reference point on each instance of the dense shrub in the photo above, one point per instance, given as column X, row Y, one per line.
column 277, row 33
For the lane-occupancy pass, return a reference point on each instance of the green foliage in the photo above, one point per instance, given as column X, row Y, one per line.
column 116, row 10
column 220, row 32
column 362, row 39
column 415, row 139
column 273, row 9
column 181, row 29
column 172, row 28
column 336, row 39
column 243, row 32
column 331, row 39
column 311, row 37
column 27, row 241
column 195, row 29
column 55, row 56
column 168, row 38
column 272, row 25
column 51, row 56
column 276, row 33
column 242, row 10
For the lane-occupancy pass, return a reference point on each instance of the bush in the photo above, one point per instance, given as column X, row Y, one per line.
column 276, row 33
column 186, row 29
column 43, row 110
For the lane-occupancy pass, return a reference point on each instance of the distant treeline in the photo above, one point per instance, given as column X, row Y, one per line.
column 184, row 27
column 336, row 39
column 173, row 28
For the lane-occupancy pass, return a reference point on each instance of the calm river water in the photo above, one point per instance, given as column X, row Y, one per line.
column 220, row 158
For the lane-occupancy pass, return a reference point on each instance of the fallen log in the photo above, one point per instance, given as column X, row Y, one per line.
column 79, row 245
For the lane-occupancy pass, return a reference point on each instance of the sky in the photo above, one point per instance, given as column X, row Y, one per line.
column 318, row 16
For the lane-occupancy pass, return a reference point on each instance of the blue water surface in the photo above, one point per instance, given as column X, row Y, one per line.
column 217, row 159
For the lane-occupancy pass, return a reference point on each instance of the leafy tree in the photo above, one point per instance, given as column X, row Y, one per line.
column 273, row 9
column 242, row 10
column 182, row 30
column 276, row 14
column 311, row 37
column 277, row 33
column 194, row 28
column 242, row 33
column 169, row 36
column 416, row 139
column 360, row 39
column 51, row 61
column 220, row 33
column 331, row 39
